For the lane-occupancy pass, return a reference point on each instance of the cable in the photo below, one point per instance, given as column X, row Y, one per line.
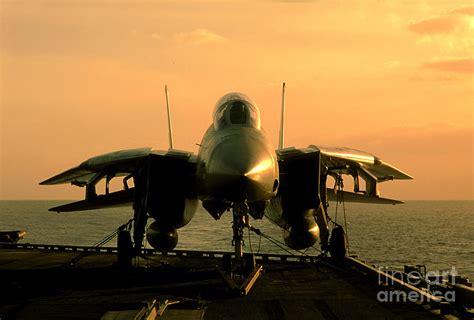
column 278, row 243
column 282, row 246
column 250, row 241
column 100, row 243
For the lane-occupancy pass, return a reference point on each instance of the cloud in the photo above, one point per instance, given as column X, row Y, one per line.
column 453, row 65
column 469, row 11
column 440, row 77
column 445, row 23
column 453, row 31
column 435, row 25
column 199, row 36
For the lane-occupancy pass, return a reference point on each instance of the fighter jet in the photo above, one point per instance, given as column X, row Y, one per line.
column 236, row 169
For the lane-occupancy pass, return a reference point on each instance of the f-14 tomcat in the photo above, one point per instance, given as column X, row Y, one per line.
column 237, row 169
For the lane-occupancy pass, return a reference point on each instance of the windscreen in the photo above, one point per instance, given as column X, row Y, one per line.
column 236, row 110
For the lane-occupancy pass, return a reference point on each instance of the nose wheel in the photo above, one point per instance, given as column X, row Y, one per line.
column 242, row 272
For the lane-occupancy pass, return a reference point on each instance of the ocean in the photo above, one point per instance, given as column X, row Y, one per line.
column 438, row 234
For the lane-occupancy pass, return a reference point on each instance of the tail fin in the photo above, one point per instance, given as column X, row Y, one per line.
column 170, row 129
column 282, row 120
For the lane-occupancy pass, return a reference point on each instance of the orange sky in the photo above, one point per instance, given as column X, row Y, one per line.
column 81, row 78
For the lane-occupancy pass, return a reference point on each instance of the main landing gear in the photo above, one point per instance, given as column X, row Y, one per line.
column 242, row 272
column 337, row 244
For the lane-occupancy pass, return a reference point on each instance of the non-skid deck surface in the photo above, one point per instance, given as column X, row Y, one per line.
column 39, row 284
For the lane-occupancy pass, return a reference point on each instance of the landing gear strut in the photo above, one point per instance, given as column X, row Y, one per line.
column 240, row 219
column 242, row 274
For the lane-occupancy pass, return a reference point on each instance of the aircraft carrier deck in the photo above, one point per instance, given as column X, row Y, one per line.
column 59, row 282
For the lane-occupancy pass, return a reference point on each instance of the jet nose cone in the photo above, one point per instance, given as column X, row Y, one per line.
column 233, row 160
column 240, row 169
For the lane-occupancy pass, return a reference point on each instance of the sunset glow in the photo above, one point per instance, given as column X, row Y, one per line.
column 81, row 78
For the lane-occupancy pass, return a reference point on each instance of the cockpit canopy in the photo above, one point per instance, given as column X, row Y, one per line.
column 236, row 109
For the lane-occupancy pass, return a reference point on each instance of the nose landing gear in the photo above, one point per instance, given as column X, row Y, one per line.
column 241, row 273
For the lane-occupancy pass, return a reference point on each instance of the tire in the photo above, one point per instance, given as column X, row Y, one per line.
column 337, row 244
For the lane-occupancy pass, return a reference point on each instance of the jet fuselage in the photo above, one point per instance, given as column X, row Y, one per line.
column 236, row 160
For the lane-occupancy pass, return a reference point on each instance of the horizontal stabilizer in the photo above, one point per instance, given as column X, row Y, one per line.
column 358, row 197
column 113, row 199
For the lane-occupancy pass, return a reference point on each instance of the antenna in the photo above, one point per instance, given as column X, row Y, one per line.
column 282, row 120
column 170, row 129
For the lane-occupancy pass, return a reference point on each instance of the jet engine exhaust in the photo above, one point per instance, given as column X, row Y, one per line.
column 163, row 239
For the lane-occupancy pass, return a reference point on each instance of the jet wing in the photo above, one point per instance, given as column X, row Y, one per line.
column 108, row 166
column 118, row 162
column 343, row 160
column 361, row 166
column 114, row 199
column 359, row 198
